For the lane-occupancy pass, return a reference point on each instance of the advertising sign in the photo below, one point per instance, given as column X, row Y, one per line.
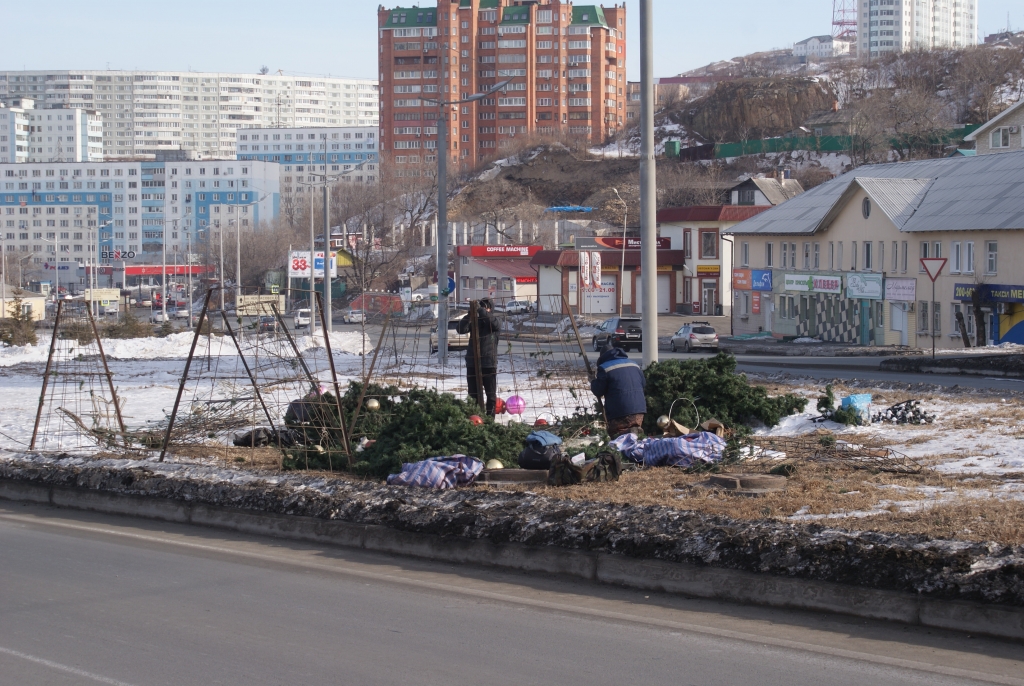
column 990, row 292
column 117, row 254
column 755, row 305
column 585, row 268
column 298, row 265
column 595, row 268
column 615, row 243
column 806, row 283
column 741, row 279
column 760, row 280
column 901, row 290
column 500, row 250
column 708, row 270
column 864, row 287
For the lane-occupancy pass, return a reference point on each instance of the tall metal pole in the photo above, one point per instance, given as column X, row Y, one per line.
column 328, row 312
column 442, row 236
column 312, row 263
column 163, row 272
column 220, row 235
column 648, row 187
column 238, row 264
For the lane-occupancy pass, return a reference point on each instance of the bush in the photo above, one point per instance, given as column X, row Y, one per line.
column 827, row 408
column 717, row 391
column 128, row 327
column 17, row 327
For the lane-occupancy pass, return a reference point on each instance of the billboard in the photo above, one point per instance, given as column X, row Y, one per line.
column 864, row 287
column 806, row 283
column 901, row 290
column 615, row 243
column 298, row 265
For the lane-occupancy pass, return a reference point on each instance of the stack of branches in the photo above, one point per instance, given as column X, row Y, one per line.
column 822, row 446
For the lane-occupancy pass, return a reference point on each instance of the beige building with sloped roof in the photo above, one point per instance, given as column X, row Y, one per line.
column 1002, row 133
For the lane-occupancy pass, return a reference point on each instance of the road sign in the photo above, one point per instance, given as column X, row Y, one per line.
column 934, row 266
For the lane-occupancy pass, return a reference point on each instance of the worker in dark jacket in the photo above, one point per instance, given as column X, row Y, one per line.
column 484, row 338
column 621, row 383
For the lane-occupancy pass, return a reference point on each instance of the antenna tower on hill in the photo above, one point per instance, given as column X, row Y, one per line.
column 844, row 19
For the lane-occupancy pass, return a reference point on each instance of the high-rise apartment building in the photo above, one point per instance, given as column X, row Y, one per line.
column 72, row 211
column 888, row 26
column 567, row 65
column 147, row 112
column 64, row 134
column 349, row 154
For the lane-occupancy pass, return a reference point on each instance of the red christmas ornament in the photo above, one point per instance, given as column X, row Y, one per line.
column 477, row 421
column 541, row 422
column 499, row 406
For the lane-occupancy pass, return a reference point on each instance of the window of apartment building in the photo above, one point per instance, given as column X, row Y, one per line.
column 792, row 255
column 922, row 316
column 1000, row 138
column 709, row 245
column 895, row 253
column 807, row 255
column 785, row 254
column 688, row 244
column 853, row 256
column 955, row 257
column 746, row 197
column 816, row 264
column 968, row 257
column 868, row 256
column 745, row 254
column 839, row 256
column 991, row 255
column 769, row 255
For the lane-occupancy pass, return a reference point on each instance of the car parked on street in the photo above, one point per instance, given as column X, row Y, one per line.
column 622, row 332
column 353, row 317
column 157, row 316
column 517, row 307
column 694, row 336
column 456, row 340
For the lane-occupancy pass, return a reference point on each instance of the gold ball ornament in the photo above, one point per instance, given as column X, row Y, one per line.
column 664, row 422
column 495, row 464
column 373, row 404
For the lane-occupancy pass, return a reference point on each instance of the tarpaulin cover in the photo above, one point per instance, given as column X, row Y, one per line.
column 672, row 452
column 438, row 472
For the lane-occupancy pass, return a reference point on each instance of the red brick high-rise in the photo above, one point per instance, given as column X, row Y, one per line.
column 568, row 65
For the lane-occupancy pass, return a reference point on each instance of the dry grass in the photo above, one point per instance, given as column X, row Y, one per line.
column 821, row 489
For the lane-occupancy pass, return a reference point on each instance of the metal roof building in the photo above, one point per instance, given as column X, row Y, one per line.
column 950, row 194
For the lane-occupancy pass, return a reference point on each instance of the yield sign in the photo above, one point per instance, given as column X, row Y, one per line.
column 934, row 266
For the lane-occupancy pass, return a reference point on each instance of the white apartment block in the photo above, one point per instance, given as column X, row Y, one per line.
column 57, row 135
column 821, row 47
column 14, row 133
column 72, row 211
column 350, row 154
column 151, row 112
column 896, row 25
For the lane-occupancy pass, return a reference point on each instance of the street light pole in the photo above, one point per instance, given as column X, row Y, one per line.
column 442, row 214
column 622, row 271
column 648, row 187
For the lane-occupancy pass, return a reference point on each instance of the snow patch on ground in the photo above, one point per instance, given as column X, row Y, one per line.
column 176, row 346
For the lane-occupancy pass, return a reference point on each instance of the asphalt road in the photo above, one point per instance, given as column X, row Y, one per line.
column 95, row 599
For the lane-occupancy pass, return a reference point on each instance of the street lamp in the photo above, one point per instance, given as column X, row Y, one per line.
column 94, row 280
column 442, row 213
column 622, row 272
column 238, row 253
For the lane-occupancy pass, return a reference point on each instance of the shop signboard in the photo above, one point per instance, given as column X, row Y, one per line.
column 990, row 292
column 901, row 290
column 760, row 280
column 741, row 279
column 585, row 268
column 755, row 305
column 595, row 268
column 864, row 287
column 807, row 283
column 615, row 243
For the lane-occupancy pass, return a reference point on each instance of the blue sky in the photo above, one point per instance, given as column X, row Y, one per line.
column 338, row 37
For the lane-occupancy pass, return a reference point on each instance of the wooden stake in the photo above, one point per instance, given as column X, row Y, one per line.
column 46, row 373
column 184, row 376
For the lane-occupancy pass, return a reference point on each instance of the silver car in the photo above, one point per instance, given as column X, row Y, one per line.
column 694, row 336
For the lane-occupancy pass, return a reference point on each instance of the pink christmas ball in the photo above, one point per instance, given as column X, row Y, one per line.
column 515, row 405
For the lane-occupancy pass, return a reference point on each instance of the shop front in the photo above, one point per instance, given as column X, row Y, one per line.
column 1002, row 307
column 752, row 301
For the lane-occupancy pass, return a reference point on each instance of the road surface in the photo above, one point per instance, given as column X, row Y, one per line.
column 94, row 599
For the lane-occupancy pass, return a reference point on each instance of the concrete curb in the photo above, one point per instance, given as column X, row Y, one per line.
column 649, row 575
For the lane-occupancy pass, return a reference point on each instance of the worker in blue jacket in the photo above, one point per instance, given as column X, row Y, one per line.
column 620, row 383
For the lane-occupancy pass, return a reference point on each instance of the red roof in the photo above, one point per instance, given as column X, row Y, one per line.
column 711, row 213
column 609, row 258
column 514, row 268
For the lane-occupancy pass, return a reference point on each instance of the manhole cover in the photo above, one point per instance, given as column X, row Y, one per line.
column 748, row 484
